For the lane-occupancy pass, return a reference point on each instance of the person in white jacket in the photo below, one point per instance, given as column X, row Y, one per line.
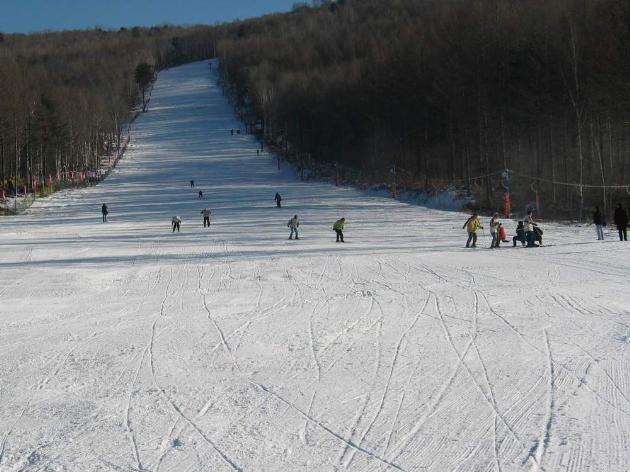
column 294, row 224
column 528, row 223
column 494, row 230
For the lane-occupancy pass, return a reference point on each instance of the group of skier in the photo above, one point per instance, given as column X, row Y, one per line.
column 528, row 233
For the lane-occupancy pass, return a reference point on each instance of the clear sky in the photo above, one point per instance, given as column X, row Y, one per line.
column 27, row 16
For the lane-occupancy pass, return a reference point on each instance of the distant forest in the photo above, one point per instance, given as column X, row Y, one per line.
column 448, row 92
column 66, row 97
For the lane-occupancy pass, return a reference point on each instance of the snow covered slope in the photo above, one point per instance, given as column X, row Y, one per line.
column 124, row 346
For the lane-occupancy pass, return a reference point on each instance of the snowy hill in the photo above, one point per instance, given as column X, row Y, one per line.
column 126, row 346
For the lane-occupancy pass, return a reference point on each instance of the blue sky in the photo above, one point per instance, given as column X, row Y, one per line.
column 27, row 16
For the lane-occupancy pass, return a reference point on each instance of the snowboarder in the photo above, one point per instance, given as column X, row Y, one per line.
column 176, row 222
column 278, row 199
column 472, row 225
column 294, row 224
column 520, row 234
column 599, row 222
column 338, row 228
column 104, row 211
column 621, row 221
column 494, row 230
column 206, row 217
column 200, row 194
column 529, row 224
column 192, row 183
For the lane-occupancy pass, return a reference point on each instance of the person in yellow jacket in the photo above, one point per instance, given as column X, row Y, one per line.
column 338, row 227
column 472, row 225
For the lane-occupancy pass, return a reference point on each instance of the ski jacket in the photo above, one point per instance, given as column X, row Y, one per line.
column 472, row 224
column 597, row 218
column 528, row 223
column 176, row 219
column 339, row 225
column 104, row 209
column 205, row 212
column 621, row 217
column 494, row 225
column 293, row 223
column 277, row 197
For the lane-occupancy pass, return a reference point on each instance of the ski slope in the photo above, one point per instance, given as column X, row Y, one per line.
column 126, row 347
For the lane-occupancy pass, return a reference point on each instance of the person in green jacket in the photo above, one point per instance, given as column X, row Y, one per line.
column 338, row 227
column 472, row 225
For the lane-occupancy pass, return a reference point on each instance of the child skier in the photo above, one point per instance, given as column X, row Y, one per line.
column 520, row 234
column 294, row 224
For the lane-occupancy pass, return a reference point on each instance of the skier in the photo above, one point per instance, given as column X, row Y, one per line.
column 294, row 224
column 200, row 194
column 338, row 228
column 104, row 211
column 176, row 222
column 621, row 220
column 529, row 224
column 192, row 183
column 206, row 217
column 278, row 199
column 472, row 225
column 494, row 230
column 232, row 132
column 520, row 234
column 599, row 222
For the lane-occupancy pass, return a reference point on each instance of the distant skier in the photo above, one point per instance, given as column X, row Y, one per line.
column 104, row 211
column 598, row 221
column 192, row 183
column 232, row 132
column 472, row 225
column 200, row 194
column 528, row 223
column 494, row 230
column 294, row 224
column 176, row 222
column 278, row 199
column 258, row 152
column 621, row 221
column 520, row 234
column 206, row 217
column 338, row 228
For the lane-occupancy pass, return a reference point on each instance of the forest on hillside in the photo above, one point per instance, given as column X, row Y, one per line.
column 67, row 97
column 447, row 93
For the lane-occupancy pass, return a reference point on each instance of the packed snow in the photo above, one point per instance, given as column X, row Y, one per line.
column 125, row 346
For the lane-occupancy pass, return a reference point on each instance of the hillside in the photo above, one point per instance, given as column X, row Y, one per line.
column 126, row 346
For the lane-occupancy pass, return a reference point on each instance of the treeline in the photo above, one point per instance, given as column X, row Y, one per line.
column 450, row 92
column 65, row 97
